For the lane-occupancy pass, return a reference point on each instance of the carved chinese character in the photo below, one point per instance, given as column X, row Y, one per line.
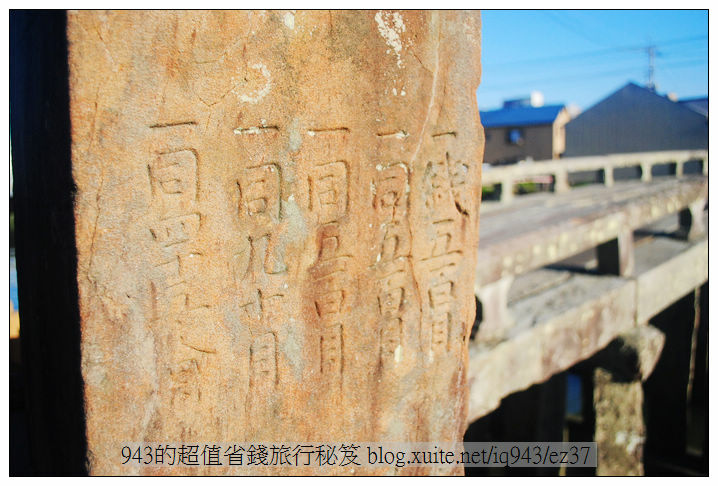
column 263, row 361
column 184, row 382
column 391, row 298
column 259, row 307
column 260, row 188
column 390, row 337
column 329, row 191
column 439, row 333
column 437, row 173
column 176, row 230
column 395, row 243
column 174, row 181
column 330, row 274
column 391, row 189
column 331, row 351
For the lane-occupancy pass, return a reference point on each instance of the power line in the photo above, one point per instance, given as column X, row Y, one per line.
column 571, row 27
column 625, row 64
column 669, row 52
column 584, row 76
column 692, row 62
column 585, row 54
column 578, row 77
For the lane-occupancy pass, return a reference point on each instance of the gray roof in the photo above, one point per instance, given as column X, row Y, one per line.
column 635, row 119
column 699, row 105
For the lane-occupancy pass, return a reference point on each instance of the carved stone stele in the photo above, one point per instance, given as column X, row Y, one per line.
column 276, row 222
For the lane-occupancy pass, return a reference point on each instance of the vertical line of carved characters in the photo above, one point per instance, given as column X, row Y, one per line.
column 330, row 280
column 390, row 204
column 390, row 200
column 327, row 186
column 331, row 350
column 258, row 263
column 173, row 177
column 174, row 186
column 329, row 191
column 178, row 312
column 263, row 362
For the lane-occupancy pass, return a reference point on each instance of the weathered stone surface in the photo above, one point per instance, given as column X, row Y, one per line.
column 276, row 220
column 618, row 399
column 620, row 431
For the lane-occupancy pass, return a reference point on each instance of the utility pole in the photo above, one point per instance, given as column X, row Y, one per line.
column 651, row 51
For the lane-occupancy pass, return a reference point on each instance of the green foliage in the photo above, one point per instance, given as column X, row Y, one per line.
column 526, row 188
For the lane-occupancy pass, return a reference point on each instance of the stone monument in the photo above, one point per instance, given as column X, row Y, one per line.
column 276, row 220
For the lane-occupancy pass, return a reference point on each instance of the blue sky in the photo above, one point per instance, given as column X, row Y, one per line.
column 581, row 56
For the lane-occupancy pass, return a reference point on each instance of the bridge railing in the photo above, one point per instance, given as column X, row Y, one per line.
column 560, row 169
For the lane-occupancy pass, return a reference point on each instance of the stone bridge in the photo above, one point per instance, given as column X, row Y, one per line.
column 565, row 274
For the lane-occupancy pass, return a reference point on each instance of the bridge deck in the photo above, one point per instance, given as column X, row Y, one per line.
column 540, row 229
column 540, row 321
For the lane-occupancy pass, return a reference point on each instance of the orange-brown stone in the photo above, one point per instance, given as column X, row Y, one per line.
column 276, row 221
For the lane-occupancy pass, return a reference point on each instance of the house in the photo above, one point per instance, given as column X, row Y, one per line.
column 637, row 119
column 521, row 130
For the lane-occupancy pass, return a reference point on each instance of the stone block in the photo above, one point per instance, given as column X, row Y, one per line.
column 276, row 221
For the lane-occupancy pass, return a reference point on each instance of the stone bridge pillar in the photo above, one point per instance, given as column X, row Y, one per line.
column 620, row 370
column 275, row 222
